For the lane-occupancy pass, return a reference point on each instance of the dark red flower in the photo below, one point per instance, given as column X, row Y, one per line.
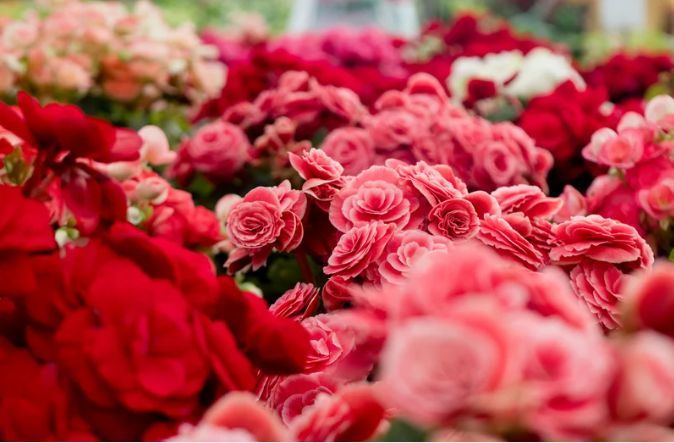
column 66, row 141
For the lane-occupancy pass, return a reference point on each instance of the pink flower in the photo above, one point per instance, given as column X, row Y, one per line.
column 336, row 293
column 501, row 234
column 326, row 346
column 404, row 250
column 598, row 238
column 316, row 164
column 621, row 150
column 218, row 150
column 359, row 248
column 342, row 102
column 658, row 201
column 599, row 285
column 643, row 389
column 483, row 203
column 352, row 414
column 455, row 219
column 649, row 300
column 353, row 148
column 573, row 203
column 374, row 195
column 225, row 204
column 529, row 200
column 393, row 128
column 298, row 303
column 433, row 369
column 292, row 395
column 568, row 372
column 265, row 219
column 236, row 415
column 435, row 183
column 155, row 150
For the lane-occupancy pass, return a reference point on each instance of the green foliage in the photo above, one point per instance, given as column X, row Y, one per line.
column 401, row 430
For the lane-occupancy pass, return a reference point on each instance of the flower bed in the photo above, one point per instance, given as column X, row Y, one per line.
column 464, row 236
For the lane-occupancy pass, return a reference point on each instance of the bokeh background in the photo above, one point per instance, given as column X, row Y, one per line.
column 590, row 28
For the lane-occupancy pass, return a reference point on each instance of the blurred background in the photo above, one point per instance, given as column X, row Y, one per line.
column 587, row 26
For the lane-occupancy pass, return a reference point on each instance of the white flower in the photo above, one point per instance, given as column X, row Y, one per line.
column 541, row 72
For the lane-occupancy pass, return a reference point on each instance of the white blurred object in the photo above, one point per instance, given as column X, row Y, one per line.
column 398, row 17
column 623, row 15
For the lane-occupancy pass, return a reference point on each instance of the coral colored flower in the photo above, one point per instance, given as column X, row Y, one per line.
column 296, row 303
column 599, row 285
column 374, row 195
column 218, row 150
column 292, row 395
column 352, row 414
column 359, row 248
column 644, row 385
column 529, row 200
column 649, row 300
column 265, row 219
column 353, row 148
column 405, row 250
column 601, row 239
column 470, row 350
column 455, row 219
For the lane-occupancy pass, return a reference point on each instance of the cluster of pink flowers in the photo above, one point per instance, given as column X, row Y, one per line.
column 639, row 185
column 416, row 124
column 102, row 49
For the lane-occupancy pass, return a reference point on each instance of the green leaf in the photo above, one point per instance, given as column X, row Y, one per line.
column 401, row 430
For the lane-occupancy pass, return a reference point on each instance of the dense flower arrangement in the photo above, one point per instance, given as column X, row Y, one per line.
column 362, row 238
column 122, row 63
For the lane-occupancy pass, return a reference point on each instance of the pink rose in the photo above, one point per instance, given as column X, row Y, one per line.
column 598, row 238
column 568, row 372
column 353, row 148
column 352, row 414
column 529, row 200
column 342, row 102
column 649, row 300
column 404, row 250
column 336, row 293
column 500, row 165
column 658, row 201
column 483, row 203
column 237, row 411
column 326, row 346
column 298, row 303
column 393, row 128
column 599, row 286
column 455, row 219
column 433, row 369
column 374, row 195
column 643, row 389
column 218, row 150
column 292, row 395
column 359, row 248
column 501, row 234
column 435, row 183
column 316, row 164
column 265, row 219
column 621, row 150
column 573, row 203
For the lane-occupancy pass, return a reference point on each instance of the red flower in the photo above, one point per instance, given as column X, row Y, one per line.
column 563, row 123
column 66, row 140
column 33, row 405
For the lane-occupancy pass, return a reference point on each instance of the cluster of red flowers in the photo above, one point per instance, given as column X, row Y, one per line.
column 115, row 334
